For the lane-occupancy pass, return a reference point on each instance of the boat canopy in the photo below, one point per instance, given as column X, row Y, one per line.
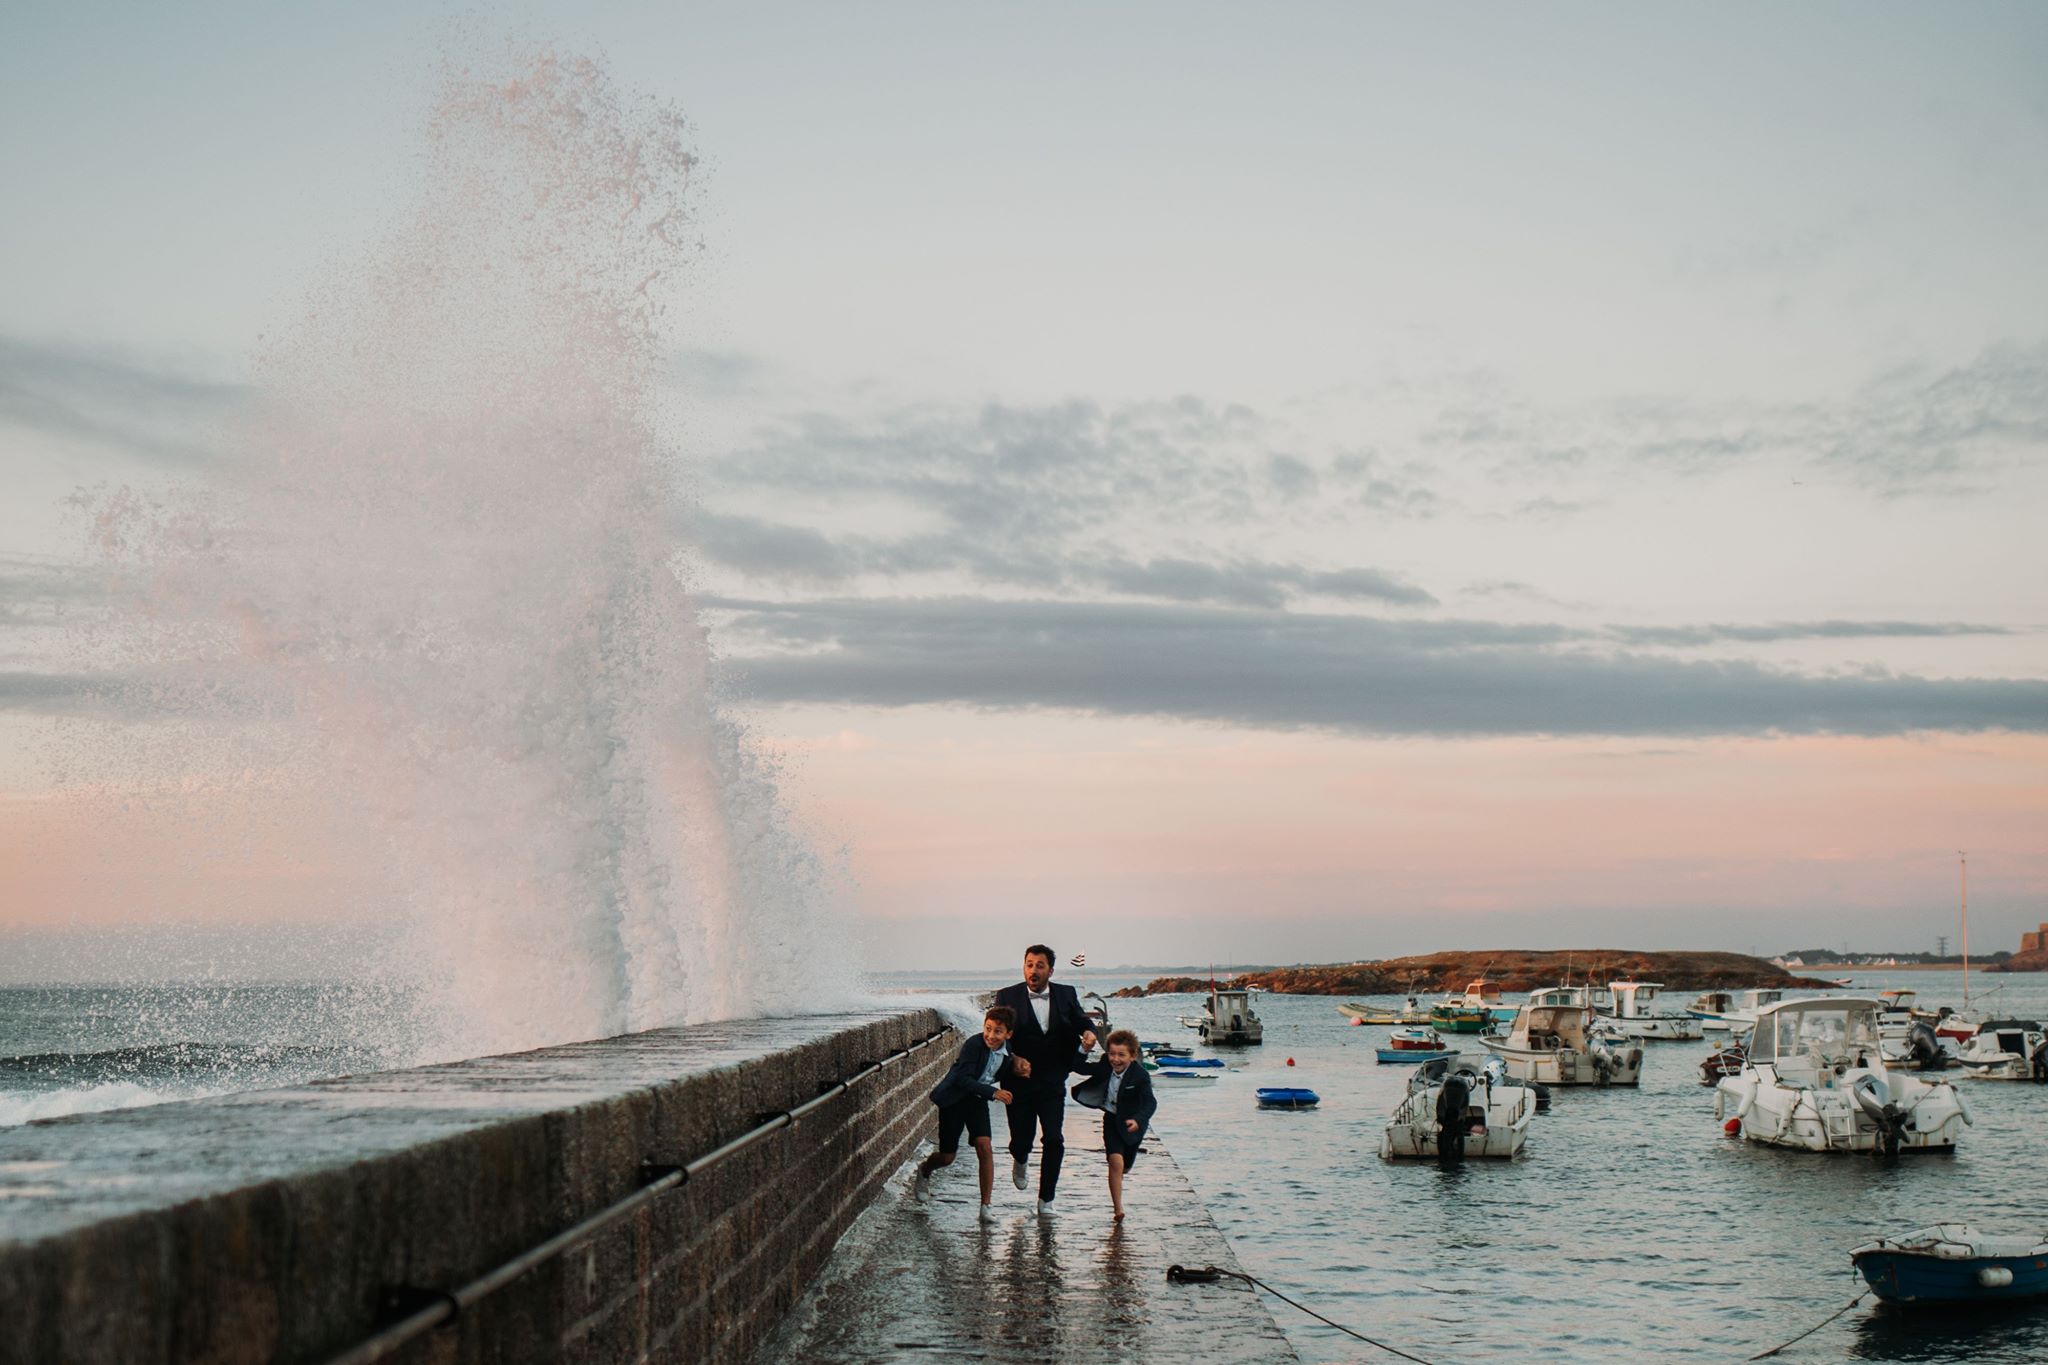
column 1809, row 1029
column 1559, row 997
column 1546, row 1026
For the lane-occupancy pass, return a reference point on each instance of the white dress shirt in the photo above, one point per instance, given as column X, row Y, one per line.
column 1041, row 1005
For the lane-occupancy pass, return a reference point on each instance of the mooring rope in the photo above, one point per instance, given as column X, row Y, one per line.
column 1209, row 1273
column 1765, row 1355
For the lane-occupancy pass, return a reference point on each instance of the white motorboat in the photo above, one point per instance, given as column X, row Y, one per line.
column 1460, row 1106
column 1637, row 1010
column 2007, row 1050
column 1816, row 1080
column 1731, row 1011
column 1553, row 1042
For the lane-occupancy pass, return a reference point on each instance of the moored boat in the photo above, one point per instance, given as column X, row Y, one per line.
column 1816, row 1080
column 1287, row 1097
column 1637, row 1010
column 1411, row 1011
column 1954, row 1263
column 1725, row 1061
column 2006, row 1050
column 1458, row 1107
column 1228, row 1019
column 1553, row 1041
column 1170, row 1062
column 1475, row 1011
column 1415, row 1043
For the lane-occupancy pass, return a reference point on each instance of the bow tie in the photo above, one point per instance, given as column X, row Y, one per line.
column 1045, row 994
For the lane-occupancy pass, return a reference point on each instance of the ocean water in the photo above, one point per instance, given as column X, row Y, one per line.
column 1631, row 1229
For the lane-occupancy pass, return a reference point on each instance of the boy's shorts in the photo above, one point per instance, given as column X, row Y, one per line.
column 970, row 1113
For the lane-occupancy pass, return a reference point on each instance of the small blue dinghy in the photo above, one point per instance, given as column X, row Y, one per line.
column 1954, row 1263
column 1166, row 1060
column 1287, row 1097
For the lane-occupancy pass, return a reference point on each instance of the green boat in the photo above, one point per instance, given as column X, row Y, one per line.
column 1475, row 1013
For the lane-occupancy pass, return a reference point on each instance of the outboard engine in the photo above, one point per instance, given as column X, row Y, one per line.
column 1873, row 1099
column 1925, row 1049
column 1450, row 1118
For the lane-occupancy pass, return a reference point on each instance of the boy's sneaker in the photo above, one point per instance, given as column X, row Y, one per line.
column 1045, row 1208
column 1019, row 1175
column 988, row 1213
column 921, row 1185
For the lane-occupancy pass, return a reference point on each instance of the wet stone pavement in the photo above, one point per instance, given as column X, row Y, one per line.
column 929, row 1282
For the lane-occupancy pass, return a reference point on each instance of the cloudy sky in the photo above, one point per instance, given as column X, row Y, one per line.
column 1271, row 483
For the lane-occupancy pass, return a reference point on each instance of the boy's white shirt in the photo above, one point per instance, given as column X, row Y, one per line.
column 994, row 1064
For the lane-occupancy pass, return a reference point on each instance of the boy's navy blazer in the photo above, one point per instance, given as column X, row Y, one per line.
column 963, row 1079
column 1134, row 1096
column 1051, row 1050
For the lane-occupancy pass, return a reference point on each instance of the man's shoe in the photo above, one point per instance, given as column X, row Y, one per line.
column 921, row 1185
column 1045, row 1208
column 988, row 1213
column 1019, row 1173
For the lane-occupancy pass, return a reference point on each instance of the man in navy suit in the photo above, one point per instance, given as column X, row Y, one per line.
column 1053, row 1034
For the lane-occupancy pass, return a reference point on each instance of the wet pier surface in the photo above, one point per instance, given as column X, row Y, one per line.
column 924, row 1282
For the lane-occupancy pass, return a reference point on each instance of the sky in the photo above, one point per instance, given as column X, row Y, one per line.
column 1278, row 483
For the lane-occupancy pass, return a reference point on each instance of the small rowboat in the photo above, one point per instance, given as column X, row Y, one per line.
column 1954, row 1263
column 1416, row 1044
column 1287, row 1097
column 1727, row 1061
column 1170, row 1063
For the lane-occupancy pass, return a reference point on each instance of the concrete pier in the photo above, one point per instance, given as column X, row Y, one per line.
column 924, row 1282
column 290, row 1225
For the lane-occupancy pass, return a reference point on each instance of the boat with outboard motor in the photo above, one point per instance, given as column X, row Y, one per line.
column 1640, row 1016
column 1954, row 1263
column 1727, row 1060
column 1816, row 1080
column 1460, row 1106
column 2006, row 1050
column 1553, row 1040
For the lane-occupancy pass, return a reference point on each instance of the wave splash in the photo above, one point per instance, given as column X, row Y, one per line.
column 436, row 595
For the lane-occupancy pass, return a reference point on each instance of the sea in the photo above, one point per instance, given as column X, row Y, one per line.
column 1630, row 1229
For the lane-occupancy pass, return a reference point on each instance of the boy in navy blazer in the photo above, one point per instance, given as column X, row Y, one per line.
column 1122, row 1090
column 976, row 1077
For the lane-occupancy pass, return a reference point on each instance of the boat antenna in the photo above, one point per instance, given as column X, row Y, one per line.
column 1963, row 861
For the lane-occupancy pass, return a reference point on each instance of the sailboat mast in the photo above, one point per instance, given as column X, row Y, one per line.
column 1963, row 861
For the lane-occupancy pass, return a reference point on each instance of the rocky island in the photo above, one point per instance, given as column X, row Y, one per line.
column 1516, row 969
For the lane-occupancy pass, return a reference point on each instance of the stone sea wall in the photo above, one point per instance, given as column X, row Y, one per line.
column 291, row 1225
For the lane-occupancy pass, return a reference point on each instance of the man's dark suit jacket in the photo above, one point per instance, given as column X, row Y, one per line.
column 963, row 1080
column 1052, row 1051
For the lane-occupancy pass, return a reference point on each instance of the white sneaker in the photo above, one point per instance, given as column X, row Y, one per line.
column 1020, row 1175
column 1045, row 1208
column 921, row 1186
column 988, row 1213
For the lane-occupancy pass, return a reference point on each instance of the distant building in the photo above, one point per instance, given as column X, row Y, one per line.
column 2034, row 939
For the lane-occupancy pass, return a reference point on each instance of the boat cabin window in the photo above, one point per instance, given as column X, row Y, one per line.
column 1836, row 1032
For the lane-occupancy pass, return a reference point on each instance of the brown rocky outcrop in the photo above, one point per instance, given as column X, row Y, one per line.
column 1516, row 969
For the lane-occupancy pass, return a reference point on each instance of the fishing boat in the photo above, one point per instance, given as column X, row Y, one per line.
column 1816, row 1080
column 1552, row 1041
column 1411, row 1011
column 1416, row 1043
column 1954, row 1263
column 1165, row 1050
column 1474, row 1012
column 1459, row 1106
column 1228, row 1019
column 1287, row 1097
column 1637, row 1010
column 2006, row 1050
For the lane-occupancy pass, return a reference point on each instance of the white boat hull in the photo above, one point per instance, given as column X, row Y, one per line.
column 1671, row 1028
column 1828, row 1117
column 1412, row 1132
column 1568, row 1066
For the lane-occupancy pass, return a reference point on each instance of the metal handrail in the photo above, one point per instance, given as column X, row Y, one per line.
column 446, row 1305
